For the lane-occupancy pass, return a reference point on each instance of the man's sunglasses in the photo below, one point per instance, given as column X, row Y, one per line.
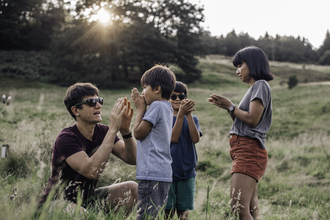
column 91, row 102
column 181, row 96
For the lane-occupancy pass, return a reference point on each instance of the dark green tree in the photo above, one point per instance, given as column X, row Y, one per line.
column 291, row 49
column 325, row 59
column 325, row 46
column 141, row 34
column 267, row 44
column 231, row 43
column 245, row 40
column 28, row 24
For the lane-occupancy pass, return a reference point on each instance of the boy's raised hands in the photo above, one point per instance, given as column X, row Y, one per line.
column 138, row 100
column 186, row 107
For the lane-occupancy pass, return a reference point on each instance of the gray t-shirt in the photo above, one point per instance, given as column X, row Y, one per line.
column 153, row 160
column 259, row 90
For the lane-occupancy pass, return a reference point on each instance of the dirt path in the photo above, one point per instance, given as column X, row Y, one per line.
column 314, row 83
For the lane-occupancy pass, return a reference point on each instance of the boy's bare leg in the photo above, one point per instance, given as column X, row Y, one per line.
column 183, row 214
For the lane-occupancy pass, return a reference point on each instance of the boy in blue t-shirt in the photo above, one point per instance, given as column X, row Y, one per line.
column 185, row 133
column 153, row 130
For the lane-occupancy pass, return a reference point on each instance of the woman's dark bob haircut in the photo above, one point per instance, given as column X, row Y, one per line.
column 256, row 60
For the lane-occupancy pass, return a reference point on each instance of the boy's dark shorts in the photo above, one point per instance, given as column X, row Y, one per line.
column 247, row 156
column 181, row 194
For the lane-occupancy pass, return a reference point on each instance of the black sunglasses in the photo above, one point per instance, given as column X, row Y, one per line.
column 91, row 102
column 181, row 96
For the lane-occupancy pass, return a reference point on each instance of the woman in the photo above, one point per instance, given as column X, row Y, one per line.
column 252, row 119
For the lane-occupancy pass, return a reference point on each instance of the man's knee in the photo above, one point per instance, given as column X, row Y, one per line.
column 133, row 187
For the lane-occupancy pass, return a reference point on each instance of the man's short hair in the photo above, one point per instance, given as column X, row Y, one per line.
column 160, row 76
column 180, row 87
column 75, row 94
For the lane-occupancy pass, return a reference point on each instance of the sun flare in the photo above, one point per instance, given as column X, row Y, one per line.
column 103, row 16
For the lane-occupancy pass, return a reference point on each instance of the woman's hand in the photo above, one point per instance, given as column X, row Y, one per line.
column 220, row 101
column 116, row 115
column 127, row 118
column 138, row 100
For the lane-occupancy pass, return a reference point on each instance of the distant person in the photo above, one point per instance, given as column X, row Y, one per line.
column 252, row 119
column 185, row 134
column 153, row 130
column 82, row 151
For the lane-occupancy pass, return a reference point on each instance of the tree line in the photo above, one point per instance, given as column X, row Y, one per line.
column 278, row 48
column 140, row 34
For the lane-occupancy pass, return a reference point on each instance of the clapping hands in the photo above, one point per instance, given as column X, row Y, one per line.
column 138, row 100
column 186, row 107
column 220, row 101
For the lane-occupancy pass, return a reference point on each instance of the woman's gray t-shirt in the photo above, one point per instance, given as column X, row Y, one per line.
column 259, row 90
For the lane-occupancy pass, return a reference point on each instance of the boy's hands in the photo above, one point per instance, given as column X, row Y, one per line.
column 127, row 118
column 186, row 107
column 138, row 100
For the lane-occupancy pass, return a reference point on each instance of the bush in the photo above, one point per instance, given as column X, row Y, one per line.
column 17, row 165
column 293, row 81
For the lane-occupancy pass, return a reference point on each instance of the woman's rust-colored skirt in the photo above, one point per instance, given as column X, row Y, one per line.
column 247, row 156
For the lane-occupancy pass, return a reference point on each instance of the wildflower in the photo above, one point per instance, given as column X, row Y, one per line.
column 3, row 99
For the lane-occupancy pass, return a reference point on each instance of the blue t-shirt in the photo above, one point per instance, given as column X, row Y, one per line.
column 184, row 153
column 259, row 90
column 153, row 159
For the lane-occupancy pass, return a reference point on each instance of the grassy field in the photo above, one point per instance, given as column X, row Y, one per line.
column 296, row 184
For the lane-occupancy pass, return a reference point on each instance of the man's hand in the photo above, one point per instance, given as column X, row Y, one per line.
column 138, row 100
column 186, row 107
column 127, row 118
column 116, row 115
column 220, row 101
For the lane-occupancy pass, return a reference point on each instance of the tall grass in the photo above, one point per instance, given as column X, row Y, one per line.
column 296, row 184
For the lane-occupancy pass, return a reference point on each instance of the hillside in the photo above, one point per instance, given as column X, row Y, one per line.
column 297, row 177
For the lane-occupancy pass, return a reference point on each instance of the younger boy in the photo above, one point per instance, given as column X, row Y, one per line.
column 185, row 133
column 153, row 130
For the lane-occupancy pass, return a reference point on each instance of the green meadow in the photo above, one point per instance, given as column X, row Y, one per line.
column 296, row 184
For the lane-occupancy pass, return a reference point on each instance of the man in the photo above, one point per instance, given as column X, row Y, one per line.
column 82, row 151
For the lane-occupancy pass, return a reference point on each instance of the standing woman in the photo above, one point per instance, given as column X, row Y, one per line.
column 252, row 119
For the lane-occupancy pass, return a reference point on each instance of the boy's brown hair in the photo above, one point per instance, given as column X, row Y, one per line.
column 161, row 76
column 180, row 87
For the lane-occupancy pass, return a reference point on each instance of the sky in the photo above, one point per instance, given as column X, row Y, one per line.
column 304, row 18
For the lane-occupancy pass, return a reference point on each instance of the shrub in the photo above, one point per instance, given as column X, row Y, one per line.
column 293, row 81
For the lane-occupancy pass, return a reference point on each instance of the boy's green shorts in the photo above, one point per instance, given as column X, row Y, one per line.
column 181, row 194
